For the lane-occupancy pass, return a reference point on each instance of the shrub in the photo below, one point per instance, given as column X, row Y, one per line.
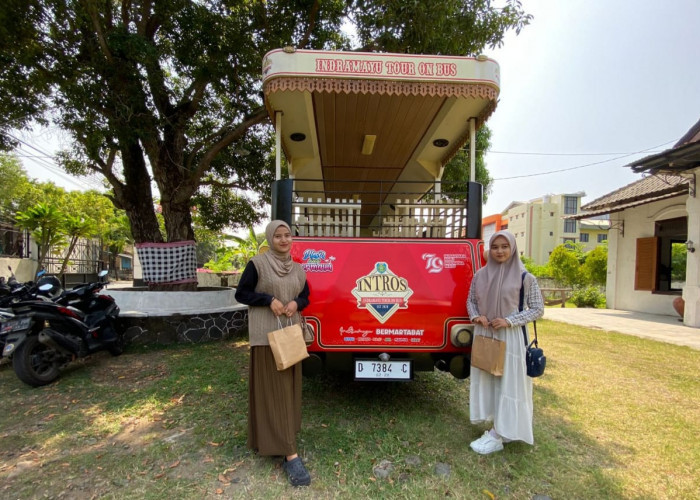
column 588, row 297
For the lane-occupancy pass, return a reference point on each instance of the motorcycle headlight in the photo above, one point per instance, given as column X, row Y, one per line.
column 461, row 334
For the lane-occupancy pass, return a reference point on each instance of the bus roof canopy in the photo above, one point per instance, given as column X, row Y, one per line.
column 374, row 116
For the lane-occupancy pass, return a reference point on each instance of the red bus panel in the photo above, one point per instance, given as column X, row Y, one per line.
column 386, row 294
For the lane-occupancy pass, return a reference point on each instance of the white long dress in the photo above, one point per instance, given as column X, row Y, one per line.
column 506, row 400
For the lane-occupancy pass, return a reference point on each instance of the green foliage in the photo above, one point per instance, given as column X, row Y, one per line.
column 236, row 257
column 167, row 91
column 445, row 27
column 565, row 266
column 223, row 260
column 679, row 259
column 534, row 269
column 595, row 266
column 58, row 218
column 17, row 193
column 590, row 296
column 44, row 221
column 457, row 170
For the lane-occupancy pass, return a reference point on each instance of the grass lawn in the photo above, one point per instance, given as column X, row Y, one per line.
column 616, row 416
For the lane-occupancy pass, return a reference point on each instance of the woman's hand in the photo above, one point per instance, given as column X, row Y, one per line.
column 499, row 323
column 277, row 306
column 481, row 320
column 291, row 308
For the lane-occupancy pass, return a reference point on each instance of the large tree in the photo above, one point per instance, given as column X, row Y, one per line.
column 167, row 92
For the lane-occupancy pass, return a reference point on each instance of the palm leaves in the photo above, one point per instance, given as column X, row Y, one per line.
column 44, row 221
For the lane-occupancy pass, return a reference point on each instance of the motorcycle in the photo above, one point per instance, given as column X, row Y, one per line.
column 13, row 295
column 75, row 324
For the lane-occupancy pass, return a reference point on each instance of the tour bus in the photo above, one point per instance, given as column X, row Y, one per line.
column 389, row 249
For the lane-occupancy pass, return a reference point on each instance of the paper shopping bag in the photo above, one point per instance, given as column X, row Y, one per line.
column 288, row 346
column 488, row 354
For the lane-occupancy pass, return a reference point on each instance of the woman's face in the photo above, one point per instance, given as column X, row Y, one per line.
column 282, row 240
column 499, row 250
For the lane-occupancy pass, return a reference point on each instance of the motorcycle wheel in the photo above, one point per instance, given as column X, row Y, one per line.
column 34, row 363
column 117, row 347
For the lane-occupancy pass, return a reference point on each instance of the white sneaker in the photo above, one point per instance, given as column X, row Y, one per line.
column 487, row 444
column 479, row 442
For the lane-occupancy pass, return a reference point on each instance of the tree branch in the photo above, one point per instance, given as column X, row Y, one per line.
column 212, row 182
column 90, row 8
column 313, row 15
column 254, row 118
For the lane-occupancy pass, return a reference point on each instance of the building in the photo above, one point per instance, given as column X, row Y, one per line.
column 654, row 234
column 593, row 232
column 492, row 224
column 540, row 225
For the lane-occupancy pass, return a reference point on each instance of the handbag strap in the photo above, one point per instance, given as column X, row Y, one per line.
column 521, row 303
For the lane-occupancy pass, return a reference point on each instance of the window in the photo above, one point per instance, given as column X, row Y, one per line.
column 602, row 237
column 551, row 214
column 569, row 226
column 570, row 204
column 660, row 260
column 583, row 237
column 569, row 240
column 551, row 233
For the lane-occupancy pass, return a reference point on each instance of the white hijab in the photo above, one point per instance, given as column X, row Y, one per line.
column 497, row 285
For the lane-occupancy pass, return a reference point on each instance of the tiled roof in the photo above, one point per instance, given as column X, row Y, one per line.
column 692, row 135
column 684, row 155
column 645, row 190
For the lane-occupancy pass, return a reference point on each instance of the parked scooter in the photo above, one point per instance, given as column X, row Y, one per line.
column 13, row 296
column 77, row 323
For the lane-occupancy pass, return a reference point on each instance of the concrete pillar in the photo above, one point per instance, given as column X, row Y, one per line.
column 691, row 291
column 614, row 244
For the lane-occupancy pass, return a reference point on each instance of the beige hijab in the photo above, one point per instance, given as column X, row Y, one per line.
column 497, row 286
column 280, row 262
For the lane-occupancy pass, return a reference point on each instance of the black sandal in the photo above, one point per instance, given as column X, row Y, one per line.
column 297, row 473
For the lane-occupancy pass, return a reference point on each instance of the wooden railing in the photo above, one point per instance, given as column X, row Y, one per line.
column 435, row 219
column 326, row 217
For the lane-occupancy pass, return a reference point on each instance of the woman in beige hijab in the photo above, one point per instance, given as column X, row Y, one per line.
column 274, row 286
column 493, row 306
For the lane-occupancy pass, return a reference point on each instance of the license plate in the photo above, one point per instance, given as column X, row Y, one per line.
column 14, row 325
column 373, row 369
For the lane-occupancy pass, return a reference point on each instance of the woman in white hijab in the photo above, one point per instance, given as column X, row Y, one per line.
column 493, row 308
column 273, row 285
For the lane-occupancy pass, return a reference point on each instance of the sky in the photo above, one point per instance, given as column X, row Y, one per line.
column 588, row 87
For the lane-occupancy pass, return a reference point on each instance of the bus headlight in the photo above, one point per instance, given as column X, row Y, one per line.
column 461, row 334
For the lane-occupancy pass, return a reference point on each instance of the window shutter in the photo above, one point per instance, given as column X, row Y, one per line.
column 646, row 264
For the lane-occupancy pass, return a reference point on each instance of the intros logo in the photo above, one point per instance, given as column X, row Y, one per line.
column 382, row 292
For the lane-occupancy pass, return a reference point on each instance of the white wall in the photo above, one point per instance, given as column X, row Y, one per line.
column 638, row 223
column 24, row 269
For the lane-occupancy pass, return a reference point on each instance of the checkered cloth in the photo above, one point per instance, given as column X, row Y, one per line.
column 168, row 262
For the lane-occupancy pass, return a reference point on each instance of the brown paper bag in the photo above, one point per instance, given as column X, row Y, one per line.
column 488, row 354
column 288, row 346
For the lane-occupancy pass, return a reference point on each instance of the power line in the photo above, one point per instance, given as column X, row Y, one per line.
column 647, row 150
column 40, row 161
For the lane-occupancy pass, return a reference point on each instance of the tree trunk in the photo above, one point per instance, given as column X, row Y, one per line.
column 71, row 247
column 135, row 196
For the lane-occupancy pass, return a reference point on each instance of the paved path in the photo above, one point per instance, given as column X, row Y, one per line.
column 652, row 326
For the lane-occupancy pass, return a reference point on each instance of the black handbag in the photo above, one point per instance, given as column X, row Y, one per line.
column 535, row 360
